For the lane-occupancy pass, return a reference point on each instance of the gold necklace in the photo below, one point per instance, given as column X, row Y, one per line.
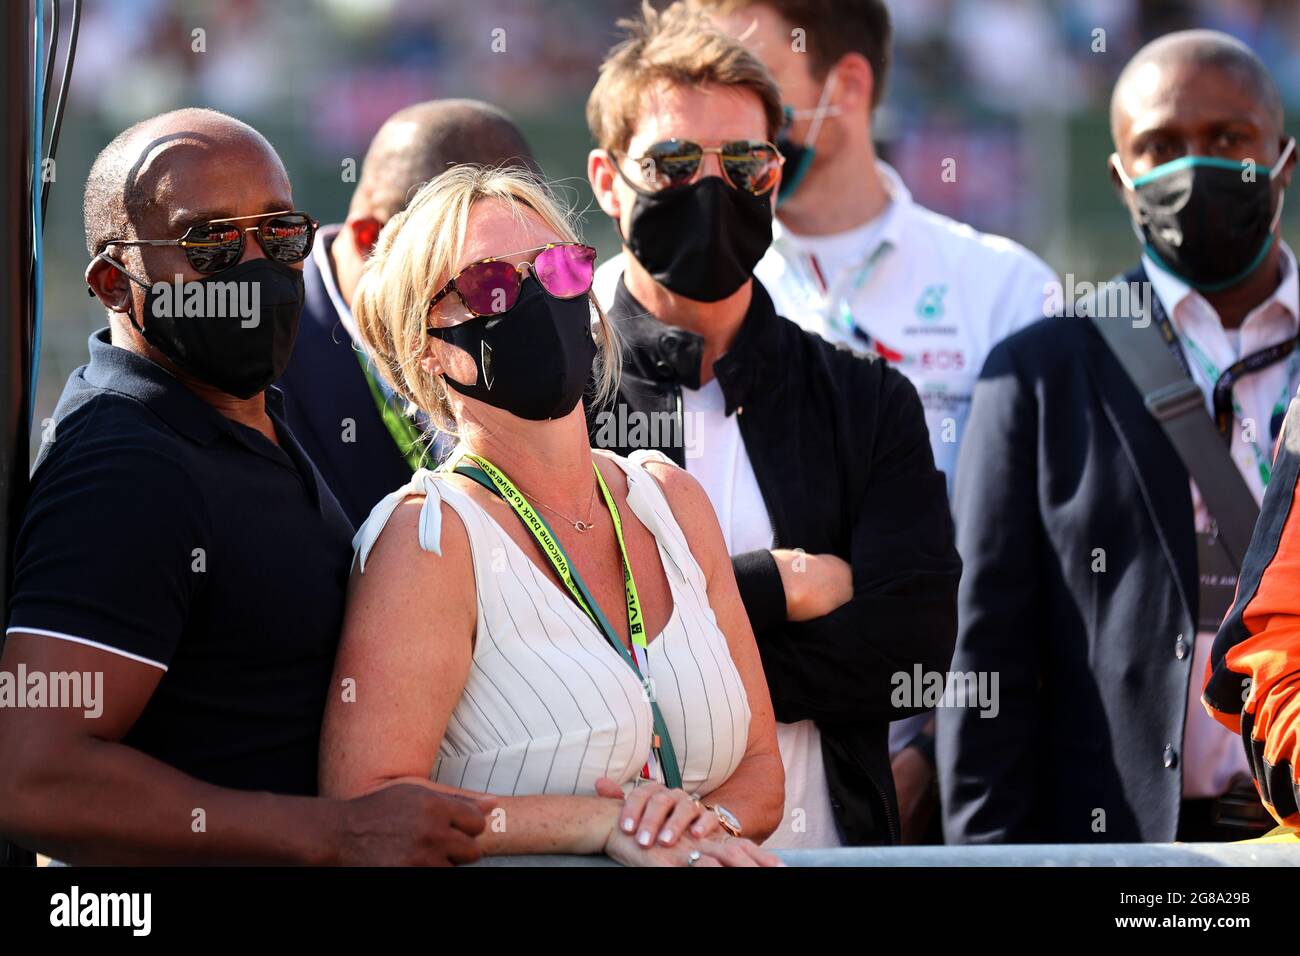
column 580, row 526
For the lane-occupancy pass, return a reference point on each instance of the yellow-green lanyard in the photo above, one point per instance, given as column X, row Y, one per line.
column 490, row 477
column 404, row 432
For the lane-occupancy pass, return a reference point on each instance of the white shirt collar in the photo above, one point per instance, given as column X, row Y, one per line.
column 320, row 254
column 1192, row 314
column 900, row 203
column 895, row 214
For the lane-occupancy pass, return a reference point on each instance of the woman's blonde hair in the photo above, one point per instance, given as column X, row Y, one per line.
column 415, row 256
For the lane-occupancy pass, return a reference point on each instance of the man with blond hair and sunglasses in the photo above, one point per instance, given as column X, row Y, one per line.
column 817, row 460
column 180, row 557
column 855, row 259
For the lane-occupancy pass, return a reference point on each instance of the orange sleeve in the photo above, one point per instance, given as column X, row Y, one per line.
column 1252, row 680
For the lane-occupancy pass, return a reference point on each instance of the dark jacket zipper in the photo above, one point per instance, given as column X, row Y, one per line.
column 884, row 802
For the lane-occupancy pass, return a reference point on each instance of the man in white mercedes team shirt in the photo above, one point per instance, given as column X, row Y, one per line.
column 855, row 260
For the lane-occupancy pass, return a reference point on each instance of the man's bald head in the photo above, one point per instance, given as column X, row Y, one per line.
column 421, row 141
column 133, row 177
column 1195, row 50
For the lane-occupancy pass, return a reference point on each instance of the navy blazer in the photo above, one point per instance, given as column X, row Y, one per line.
column 323, row 388
column 1063, row 472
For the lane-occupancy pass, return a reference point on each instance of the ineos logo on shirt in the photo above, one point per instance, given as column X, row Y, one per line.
column 943, row 360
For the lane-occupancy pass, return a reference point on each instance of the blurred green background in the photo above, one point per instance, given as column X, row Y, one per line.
column 1014, row 90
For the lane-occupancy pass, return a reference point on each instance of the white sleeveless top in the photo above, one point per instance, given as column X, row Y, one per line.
column 549, row 706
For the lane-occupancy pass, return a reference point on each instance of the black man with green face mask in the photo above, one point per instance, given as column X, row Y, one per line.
column 1111, row 476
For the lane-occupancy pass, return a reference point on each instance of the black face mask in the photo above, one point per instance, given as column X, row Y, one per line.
column 533, row 360
column 703, row 240
column 1202, row 220
column 245, row 344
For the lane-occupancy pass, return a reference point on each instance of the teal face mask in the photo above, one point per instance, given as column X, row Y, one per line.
column 1203, row 219
column 799, row 156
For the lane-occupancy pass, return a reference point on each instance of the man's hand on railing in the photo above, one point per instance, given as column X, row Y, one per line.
column 408, row 825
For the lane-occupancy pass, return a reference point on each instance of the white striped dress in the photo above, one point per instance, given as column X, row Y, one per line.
column 549, row 706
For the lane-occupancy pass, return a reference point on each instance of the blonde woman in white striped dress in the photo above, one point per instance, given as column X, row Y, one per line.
column 465, row 665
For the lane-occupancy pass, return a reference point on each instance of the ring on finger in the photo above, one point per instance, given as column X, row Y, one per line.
column 693, row 857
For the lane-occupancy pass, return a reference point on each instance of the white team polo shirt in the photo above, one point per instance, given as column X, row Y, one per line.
column 929, row 293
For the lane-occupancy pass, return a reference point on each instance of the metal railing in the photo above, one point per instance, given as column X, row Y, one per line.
column 1102, row 855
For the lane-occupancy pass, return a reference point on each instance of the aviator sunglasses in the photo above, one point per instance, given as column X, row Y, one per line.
column 491, row 286
column 218, row 244
column 751, row 165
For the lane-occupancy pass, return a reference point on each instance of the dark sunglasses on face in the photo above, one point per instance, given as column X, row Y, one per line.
column 749, row 164
column 491, row 286
column 219, row 244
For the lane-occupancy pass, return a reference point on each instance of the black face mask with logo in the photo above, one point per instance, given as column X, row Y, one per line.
column 1204, row 220
column 701, row 241
column 233, row 330
column 534, row 359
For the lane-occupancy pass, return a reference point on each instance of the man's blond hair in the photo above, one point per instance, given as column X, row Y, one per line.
column 673, row 47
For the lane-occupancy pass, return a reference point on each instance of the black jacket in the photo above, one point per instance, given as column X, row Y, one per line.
column 842, row 456
column 1061, row 458
column 325, row 390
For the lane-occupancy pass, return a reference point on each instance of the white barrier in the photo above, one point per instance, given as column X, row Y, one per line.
column 1100, row 855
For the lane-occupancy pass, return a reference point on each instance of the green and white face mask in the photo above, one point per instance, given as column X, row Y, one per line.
column 799, row 156
column 1203, row 219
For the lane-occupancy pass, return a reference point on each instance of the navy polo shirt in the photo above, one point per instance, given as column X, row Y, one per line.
column 160, row 530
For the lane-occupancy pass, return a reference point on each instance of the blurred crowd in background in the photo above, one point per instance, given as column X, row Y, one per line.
column 1015, row 91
